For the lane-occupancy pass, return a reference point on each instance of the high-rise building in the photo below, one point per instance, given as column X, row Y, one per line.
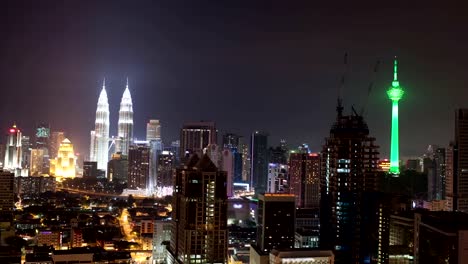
column 100, row 135
column 196, row 136
column 353, row 220
column 6, row 191
column 451, row 153
column 64, row 166
column 42, row 137
column 395, row 93
column 117, row 168
column 125, row 132
column 244, row 151
column 434, row 168
column 259, row 161
column 166, row 163
column 232, row 142
column 90, row 169
column 199, row 216
column 153, row 130
column 138, row 166
column 55, row 139
column 13, row 150
column 26, row 153
column 276, row 216
column 37, row 158
column 279, row 154
column 227, row 165
column 277, row 178
column 459, row 163
column 304, row 178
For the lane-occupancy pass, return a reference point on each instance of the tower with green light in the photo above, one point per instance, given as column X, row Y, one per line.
column 395, row 93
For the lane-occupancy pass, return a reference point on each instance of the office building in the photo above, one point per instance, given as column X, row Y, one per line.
column 117, row 168
column 277, row 178
column 166, row 164
column 6, row 191
column 275, row 225
column 153, row 130
column 64, row 166
column 353, row 215
column 244, row 151
column 13, row 151
column 125, row 124
column 196, row 136
column 162, row 233
column 279, row 154
column 434, row 168
column 90, row 169
column 450, row 176
column 37, row 159
column 259, row 161
column 55, row 139
column 138, row 166
column 100, row 135
column 26, row 152
column 304, row 178
column 199, row 216
column 459, row 174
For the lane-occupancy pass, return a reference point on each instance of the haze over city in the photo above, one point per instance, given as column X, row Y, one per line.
column 246, row 66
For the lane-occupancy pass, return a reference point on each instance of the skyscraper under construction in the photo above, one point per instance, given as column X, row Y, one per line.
column 351, row 209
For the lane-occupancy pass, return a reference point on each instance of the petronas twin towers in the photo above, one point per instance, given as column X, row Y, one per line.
column 99, row 148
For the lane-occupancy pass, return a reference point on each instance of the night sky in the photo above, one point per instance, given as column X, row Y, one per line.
column 263, row 66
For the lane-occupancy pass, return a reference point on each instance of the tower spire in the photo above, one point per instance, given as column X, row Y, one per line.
column 127, row 81
column 395, row 93
column 104, row 82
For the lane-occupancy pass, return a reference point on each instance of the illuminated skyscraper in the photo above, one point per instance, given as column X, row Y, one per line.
column 13, row 150
column 64, row 165
column 395, row 93
column 37, row 159
column 199, row 216
column 55, row 139
column 304, row 177
column 138, row 167
column 100, row 135
column 125, row 132
column 196, row 136
column 153, row 130
column 351, row 221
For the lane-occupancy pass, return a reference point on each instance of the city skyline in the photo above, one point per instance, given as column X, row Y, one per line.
column 301, row 62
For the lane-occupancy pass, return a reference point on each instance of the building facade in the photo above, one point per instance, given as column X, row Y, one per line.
column 196, row 136
column 259, row 161
column 13, row 150
column 304, row 176
column 199, row 217
column 125, row 124
column 352, row 213
column 138, row 167
column 100, row 135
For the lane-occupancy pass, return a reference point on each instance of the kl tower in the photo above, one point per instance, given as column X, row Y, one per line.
column 395, row 93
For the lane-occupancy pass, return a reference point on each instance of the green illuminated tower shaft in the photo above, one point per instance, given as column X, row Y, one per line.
column 395, row 93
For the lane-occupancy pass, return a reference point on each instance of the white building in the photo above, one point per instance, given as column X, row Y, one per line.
column 125, row 130
column 100, row 135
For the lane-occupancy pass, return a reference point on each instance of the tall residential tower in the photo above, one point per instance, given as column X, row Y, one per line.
column 395, row 93
column 125, row 132
column 100, row 135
